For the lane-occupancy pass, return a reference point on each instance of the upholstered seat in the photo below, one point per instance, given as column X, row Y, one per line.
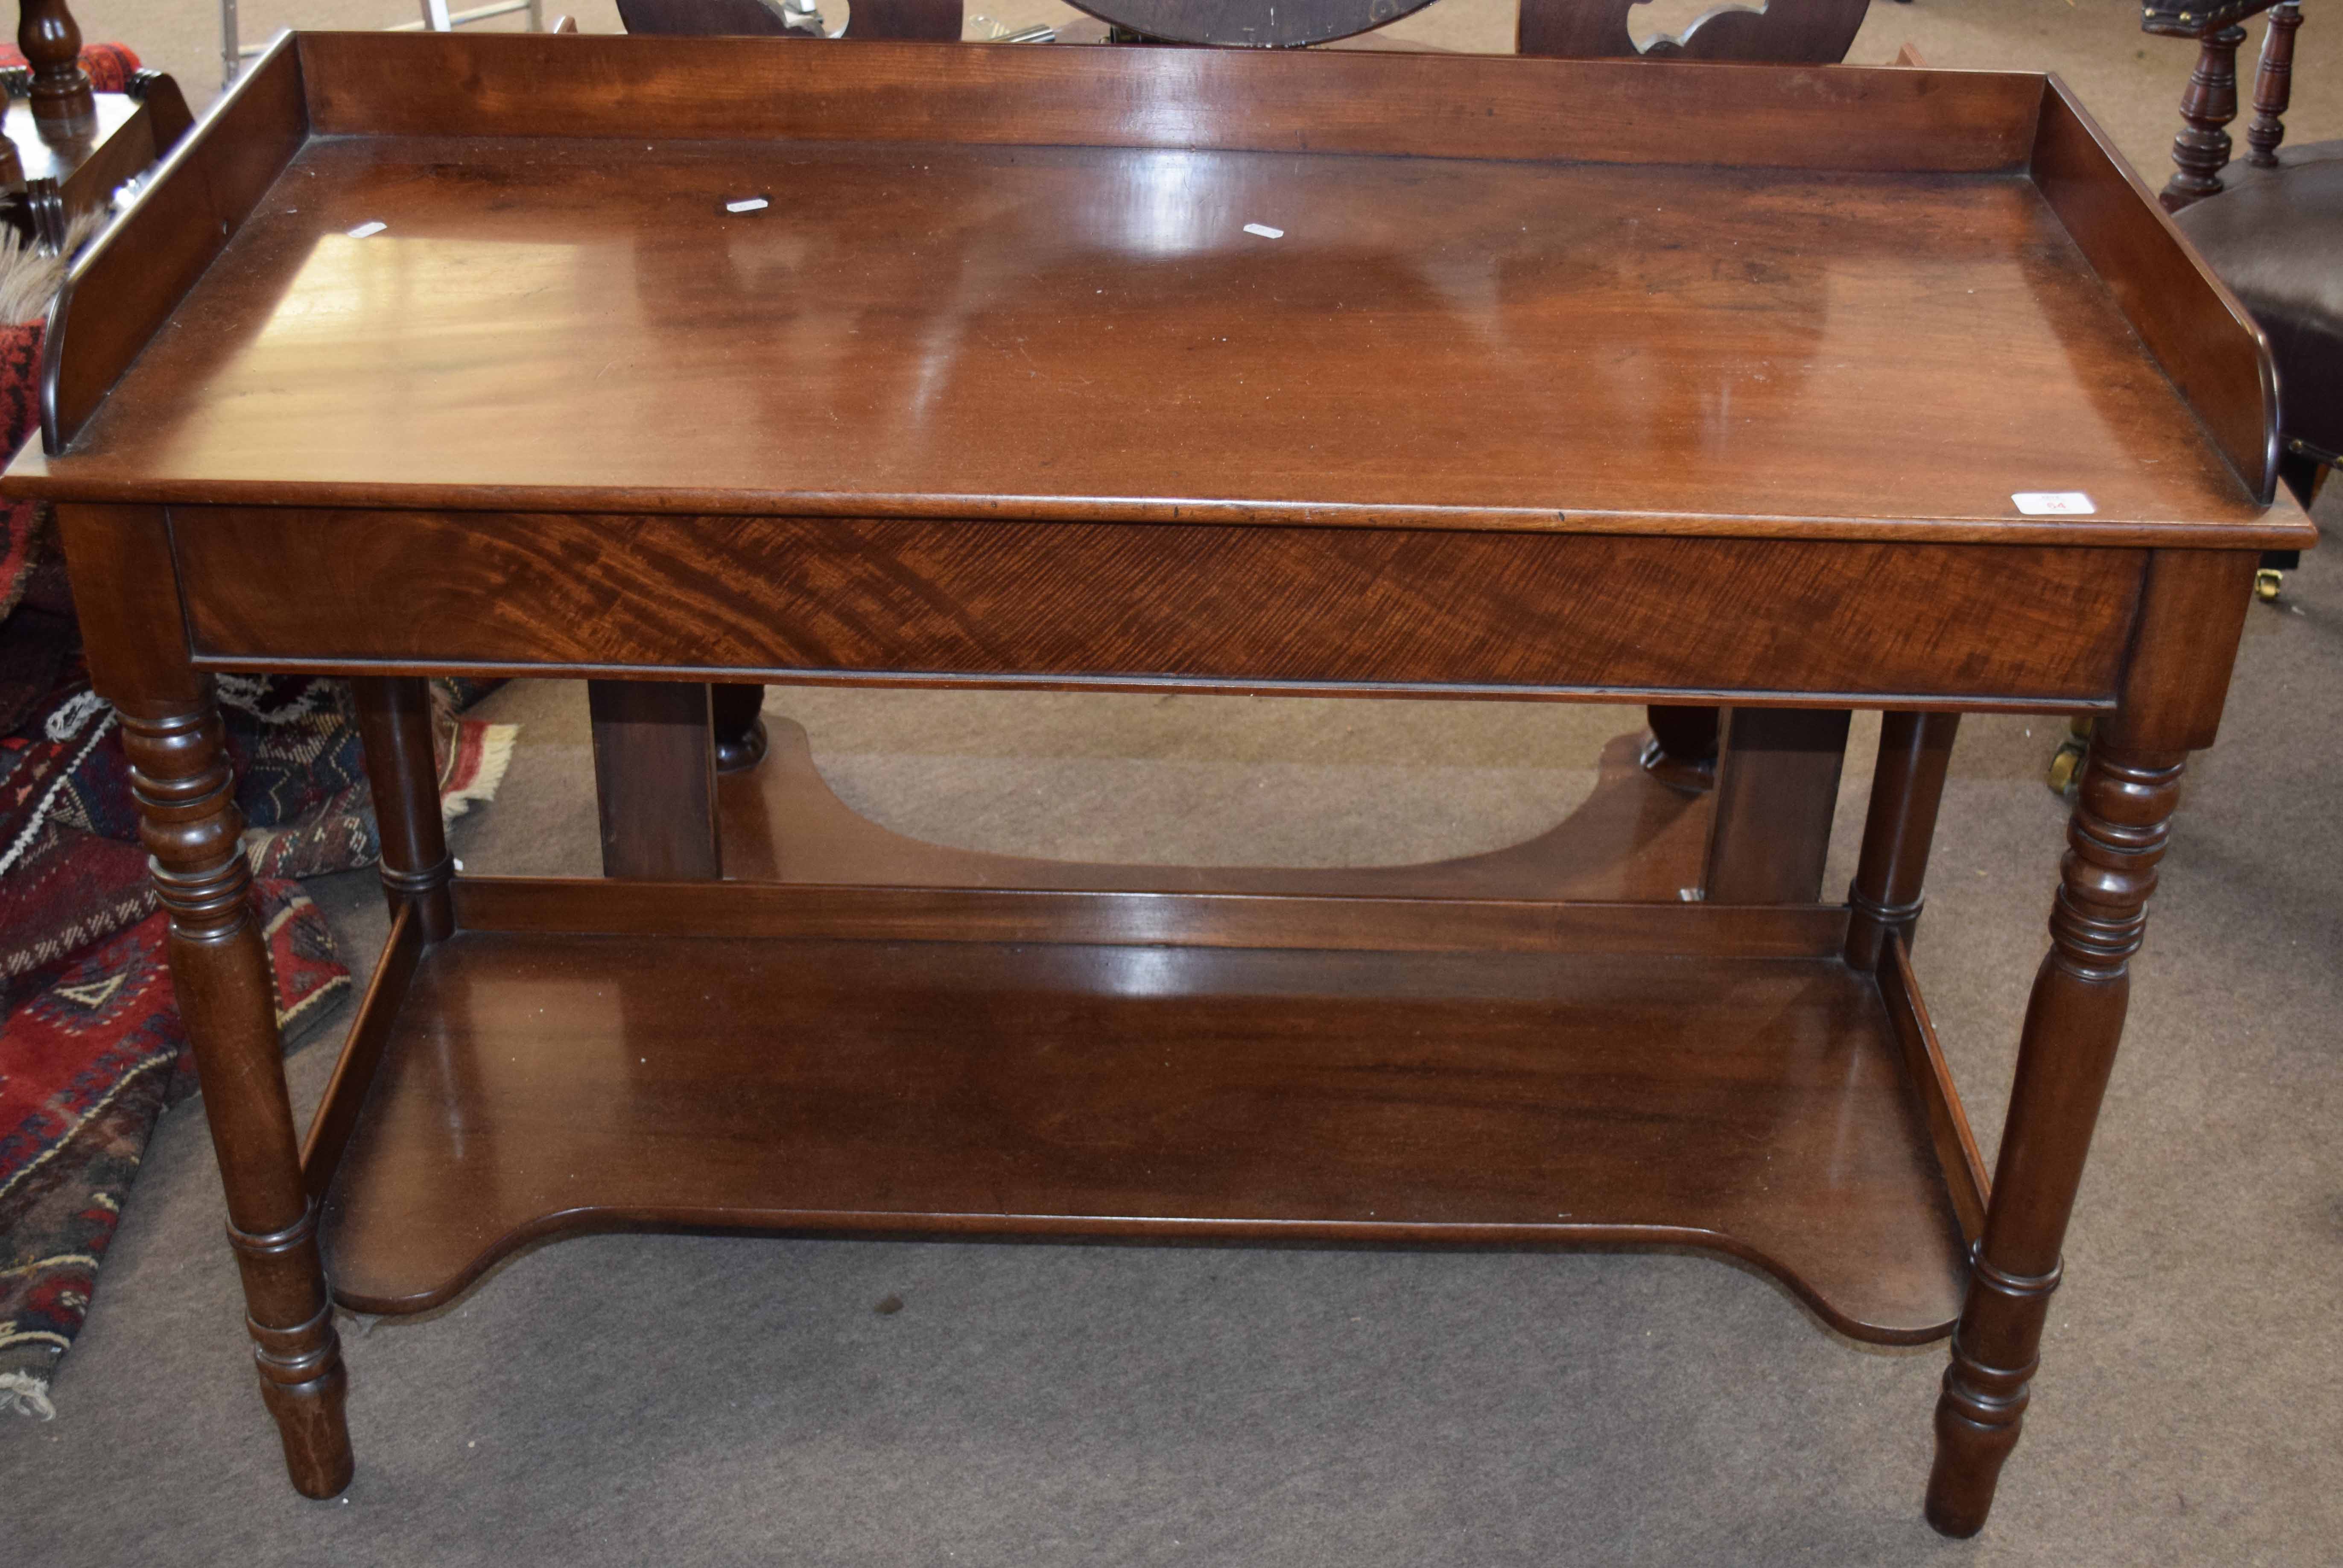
column 2275, row 237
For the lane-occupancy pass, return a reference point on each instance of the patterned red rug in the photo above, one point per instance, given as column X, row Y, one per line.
column 90, row 1046
column 95, row 1053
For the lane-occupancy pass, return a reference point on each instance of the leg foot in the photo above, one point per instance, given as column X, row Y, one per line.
column 1682, row 751
column 739, row 728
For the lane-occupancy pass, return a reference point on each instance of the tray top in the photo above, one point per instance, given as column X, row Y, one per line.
column 966, row 329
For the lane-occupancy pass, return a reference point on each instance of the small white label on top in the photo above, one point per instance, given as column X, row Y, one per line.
column 364, row 230
column 748, row 203
column 2054, row 503
column 1265, row 232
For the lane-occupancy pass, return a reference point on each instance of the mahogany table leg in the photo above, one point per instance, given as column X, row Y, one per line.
column 1682, row 752
column 2073, row 1022
column 2191, row 614
column 395, row 719
column 2201, row 151
column 654, row 778
column 50, row 41
column 1777, row 773
column 220, row 972
column 736, row 712
column 1914, row 749
column 127, row 597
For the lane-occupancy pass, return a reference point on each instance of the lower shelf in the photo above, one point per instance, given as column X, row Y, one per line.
column 505, row 1085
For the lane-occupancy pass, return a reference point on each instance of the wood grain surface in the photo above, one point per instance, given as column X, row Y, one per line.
column 1441, row 917
column 534, row 1086
column 134, row 275
column 1090, row 332
column 2217, row 354
column 1432, row 104
column 1133, row 604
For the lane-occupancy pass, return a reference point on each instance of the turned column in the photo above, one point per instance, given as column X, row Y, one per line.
column 2273, row 85
column 51, row 42
column 119, row 557
column 1914, row 750
column 2201, row 150
column 2192, row 610
column 395, row 721
column 2073, row 1022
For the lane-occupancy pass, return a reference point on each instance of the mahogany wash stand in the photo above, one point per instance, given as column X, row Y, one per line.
column 1568, row 381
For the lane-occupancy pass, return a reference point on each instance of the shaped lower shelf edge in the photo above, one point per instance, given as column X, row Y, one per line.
column 504, row 1085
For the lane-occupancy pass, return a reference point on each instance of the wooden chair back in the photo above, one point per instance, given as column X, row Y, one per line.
column 1787, row 32
column 937, row 21
column 2201, row 151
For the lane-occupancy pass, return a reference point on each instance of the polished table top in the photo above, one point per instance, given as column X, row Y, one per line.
column 958, row 329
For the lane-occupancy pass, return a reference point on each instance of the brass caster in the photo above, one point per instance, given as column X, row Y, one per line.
column 2267, row 584
column 2066, row 765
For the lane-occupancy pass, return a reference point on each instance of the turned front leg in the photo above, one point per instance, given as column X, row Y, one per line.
column 2073, row 1023
column 132, row 622
column 220, row 972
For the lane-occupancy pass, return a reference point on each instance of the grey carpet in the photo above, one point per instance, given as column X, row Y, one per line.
column 683, row 1400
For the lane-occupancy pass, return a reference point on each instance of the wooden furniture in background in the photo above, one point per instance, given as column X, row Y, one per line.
column 66, row 147
column 867, row 21
column 1787, row 32
column 876, row 1038
column 433, row 16
column 2274, row 230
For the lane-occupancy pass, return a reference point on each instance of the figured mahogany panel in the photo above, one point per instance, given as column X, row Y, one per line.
column 1132, row 603
column 536, row 1085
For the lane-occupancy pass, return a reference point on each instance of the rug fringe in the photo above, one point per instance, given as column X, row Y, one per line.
column 21, row 1393
column 496, row 742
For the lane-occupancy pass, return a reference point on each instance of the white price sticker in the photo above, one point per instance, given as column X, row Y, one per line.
column 2054, row 503
column 1264, row 231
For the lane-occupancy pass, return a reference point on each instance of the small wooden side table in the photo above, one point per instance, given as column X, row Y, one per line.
column 662, row 363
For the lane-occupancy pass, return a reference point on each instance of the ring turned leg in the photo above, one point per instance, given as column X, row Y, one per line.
column 2073, row 1022
column 395, row 721
column 219, row 971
